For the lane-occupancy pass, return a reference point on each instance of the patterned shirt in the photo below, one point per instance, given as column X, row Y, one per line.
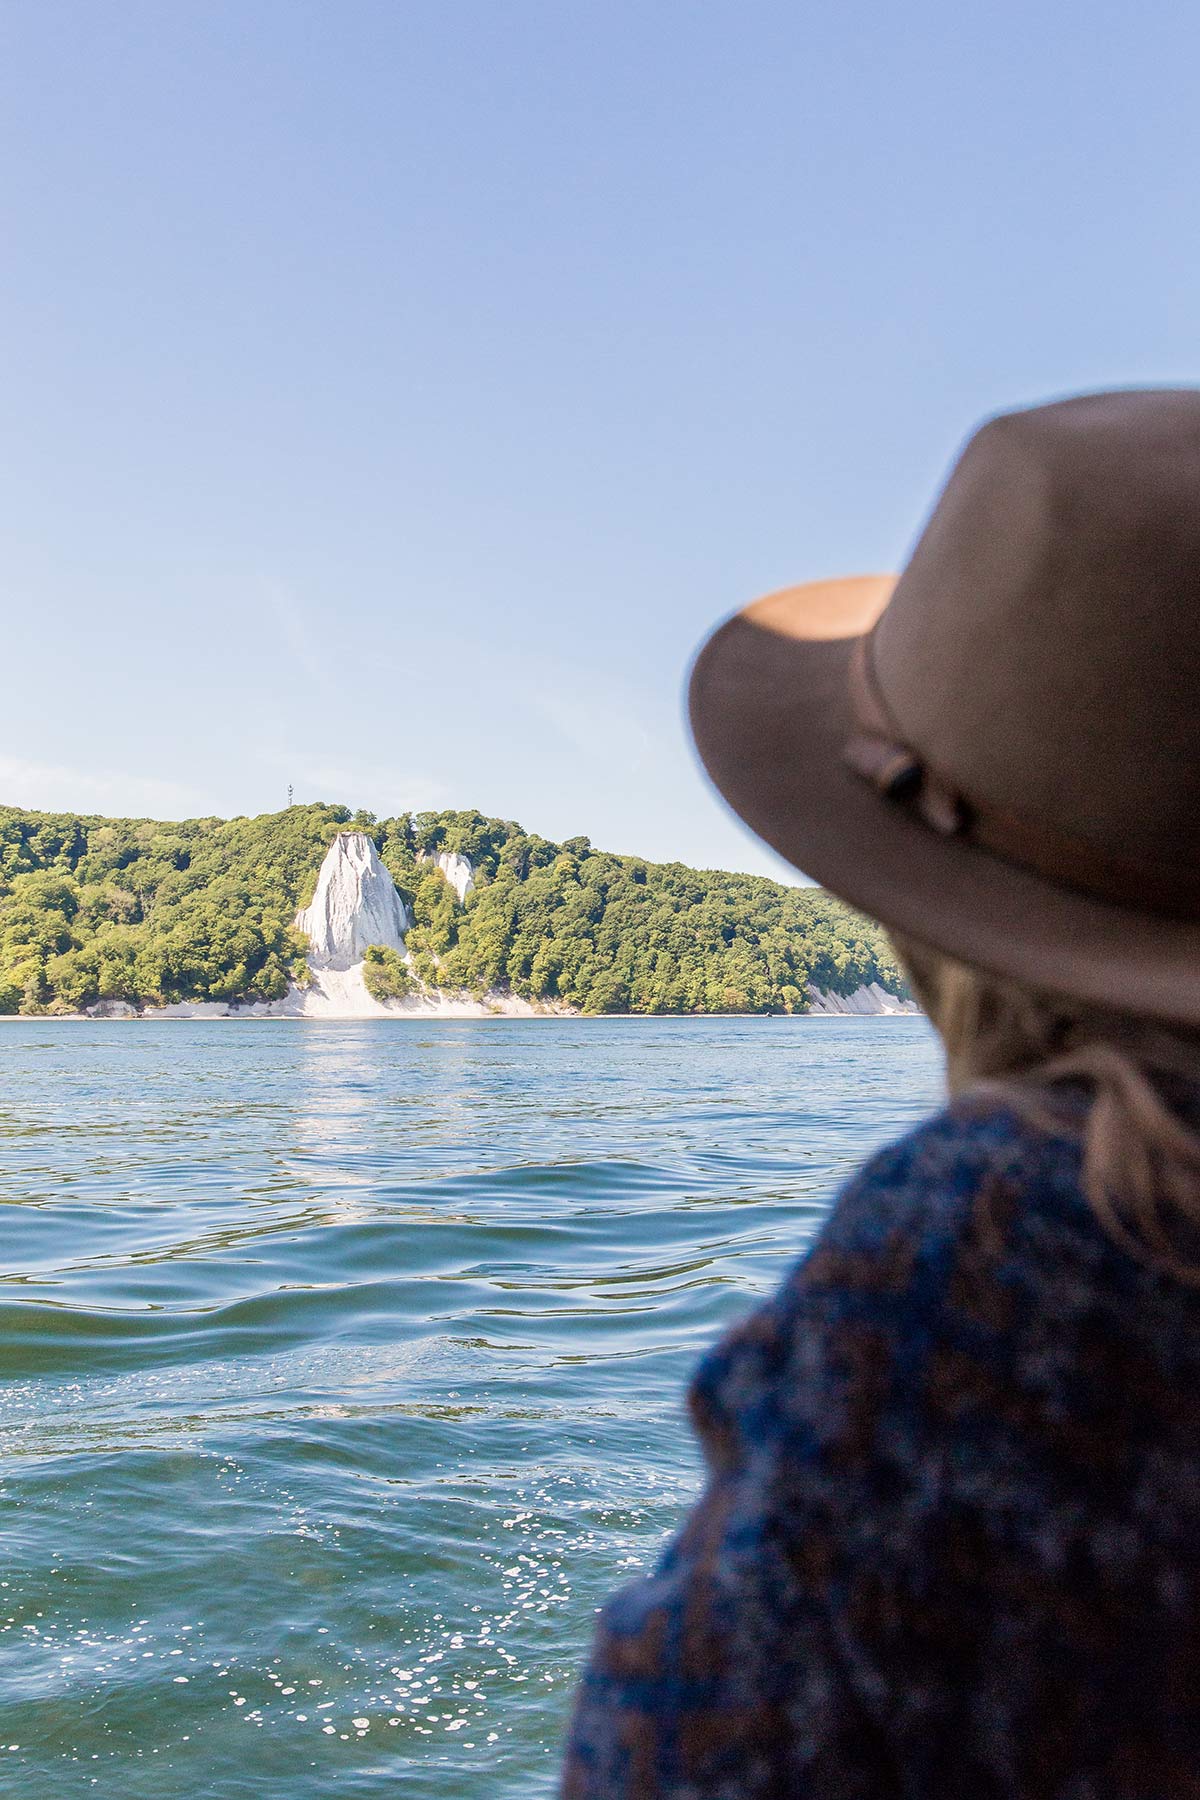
column 949, row 1548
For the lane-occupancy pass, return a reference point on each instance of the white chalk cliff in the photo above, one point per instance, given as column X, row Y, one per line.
column 457, row 870
column 355, row 905
column 864, row 1001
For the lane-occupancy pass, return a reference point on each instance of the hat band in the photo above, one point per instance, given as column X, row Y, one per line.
column 878, row 753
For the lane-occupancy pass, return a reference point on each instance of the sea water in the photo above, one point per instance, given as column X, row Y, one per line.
column 342, row 1371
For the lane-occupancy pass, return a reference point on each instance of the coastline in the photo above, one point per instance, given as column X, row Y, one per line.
column 169, row 1018
column 865, row 1003
column 364, row 947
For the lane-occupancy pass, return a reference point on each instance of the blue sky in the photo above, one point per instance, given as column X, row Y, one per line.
column 396, row 392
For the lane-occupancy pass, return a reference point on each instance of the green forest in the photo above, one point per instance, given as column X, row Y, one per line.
column 95, row 909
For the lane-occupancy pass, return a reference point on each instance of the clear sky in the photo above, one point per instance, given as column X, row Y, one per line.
column 396, row 390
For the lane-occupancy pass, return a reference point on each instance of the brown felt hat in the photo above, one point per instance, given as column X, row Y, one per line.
column 997, row 752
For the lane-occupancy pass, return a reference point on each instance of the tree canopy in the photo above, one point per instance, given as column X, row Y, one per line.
column 95, row 909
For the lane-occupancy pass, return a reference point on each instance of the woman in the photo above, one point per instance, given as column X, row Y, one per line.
column 950, row 1540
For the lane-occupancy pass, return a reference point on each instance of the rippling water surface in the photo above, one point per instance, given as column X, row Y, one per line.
column 342, row 1371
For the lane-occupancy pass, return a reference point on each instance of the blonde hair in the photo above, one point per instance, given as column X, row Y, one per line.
column 1141, row 1160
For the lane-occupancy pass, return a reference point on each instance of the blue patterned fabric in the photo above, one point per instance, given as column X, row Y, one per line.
column 950, row 1541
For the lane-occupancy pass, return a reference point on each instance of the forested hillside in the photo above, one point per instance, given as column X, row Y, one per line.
column 133, row 909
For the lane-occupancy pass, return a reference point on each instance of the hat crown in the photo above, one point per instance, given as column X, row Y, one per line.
column 1041, row 651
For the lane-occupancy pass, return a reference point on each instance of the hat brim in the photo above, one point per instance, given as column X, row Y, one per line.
column 770, row 713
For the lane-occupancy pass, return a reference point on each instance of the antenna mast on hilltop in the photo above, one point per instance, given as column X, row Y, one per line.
column 289, row 793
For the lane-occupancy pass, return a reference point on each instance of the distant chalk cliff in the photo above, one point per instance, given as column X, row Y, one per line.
column 355, row 905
